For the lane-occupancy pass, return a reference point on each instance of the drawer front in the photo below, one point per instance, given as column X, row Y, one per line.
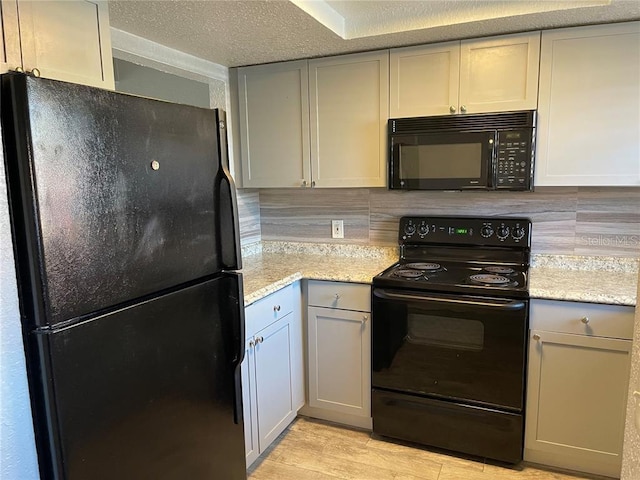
column 264, row 312
column 614, row 321
column 345, row 296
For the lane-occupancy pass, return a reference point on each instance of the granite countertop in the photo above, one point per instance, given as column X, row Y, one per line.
column 584, row 279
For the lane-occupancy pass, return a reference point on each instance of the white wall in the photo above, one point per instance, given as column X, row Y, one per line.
column 18, row 458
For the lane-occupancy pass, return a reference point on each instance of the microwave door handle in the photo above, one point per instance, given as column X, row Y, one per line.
column 387, row 295
column 492, row 179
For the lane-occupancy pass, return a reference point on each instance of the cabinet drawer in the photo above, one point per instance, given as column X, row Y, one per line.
column 345, row 296
column 266, row 311
column 592, row 319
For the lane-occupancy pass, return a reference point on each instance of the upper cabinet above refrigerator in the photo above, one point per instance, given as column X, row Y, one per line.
column 495, row 74
column 61, row 40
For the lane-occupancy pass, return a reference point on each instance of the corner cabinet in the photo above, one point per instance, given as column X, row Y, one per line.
column 493, row 74
column 339, row 349
column 316, row 123
column 272, row 370
column 589, row 114
column 274, row 124
column 61, row 40
column 579, row 360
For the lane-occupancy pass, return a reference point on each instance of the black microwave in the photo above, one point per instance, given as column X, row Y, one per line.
column 463, row 152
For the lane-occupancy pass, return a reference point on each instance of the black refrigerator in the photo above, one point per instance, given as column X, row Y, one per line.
column 125, row 236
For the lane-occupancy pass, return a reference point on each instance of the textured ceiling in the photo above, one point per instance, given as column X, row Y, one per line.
column 238, row 32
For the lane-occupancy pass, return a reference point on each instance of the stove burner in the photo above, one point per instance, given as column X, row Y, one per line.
column 490, row 279
column 500, row 270
column 431, row 267
column 408, row 273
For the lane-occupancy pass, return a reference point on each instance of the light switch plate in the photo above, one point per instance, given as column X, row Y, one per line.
column 337, row 229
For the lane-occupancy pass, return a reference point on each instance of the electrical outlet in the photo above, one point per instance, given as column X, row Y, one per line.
column 337, row 229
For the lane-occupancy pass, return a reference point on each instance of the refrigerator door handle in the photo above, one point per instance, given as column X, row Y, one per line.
column 227, row 214
column 239, row 355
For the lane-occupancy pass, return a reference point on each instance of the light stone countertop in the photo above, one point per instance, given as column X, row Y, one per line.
column 279, row 264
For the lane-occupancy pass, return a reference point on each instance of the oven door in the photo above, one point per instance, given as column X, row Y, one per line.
column 460, row 348
column 442, row 161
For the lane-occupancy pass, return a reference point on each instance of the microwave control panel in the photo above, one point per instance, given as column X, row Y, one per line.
column 514, row 162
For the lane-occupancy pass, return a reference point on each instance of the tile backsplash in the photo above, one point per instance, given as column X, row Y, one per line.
column 566, row 220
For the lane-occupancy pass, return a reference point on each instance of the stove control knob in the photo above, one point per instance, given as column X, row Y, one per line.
column 410, row 229
column 518, row 233
column 503, row 232
column 486, row 231
column 423, row 229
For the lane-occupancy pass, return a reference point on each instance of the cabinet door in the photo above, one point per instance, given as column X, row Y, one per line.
column 274, row 124
column 67, row 40
column 424, row 80
column 340, row 360
column 274, row 391
column 349, row 113
column 249, row 403
column 576, row 401
column 499, row 74
column 588, row 115
column 10, row 57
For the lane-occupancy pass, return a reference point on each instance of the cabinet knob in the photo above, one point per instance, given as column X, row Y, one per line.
column 252, row 343
column 313, row 183
column 337, row 296
column 259, row 340
column 536, row 336
column 276, row 308
column 19, row 69
column 365, row 318
column 452, row 109
column 304, row 183
column 463, row 108
column 35, row 72
column 585, row 320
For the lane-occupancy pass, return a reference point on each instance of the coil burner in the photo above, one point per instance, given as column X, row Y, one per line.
column 489, row 279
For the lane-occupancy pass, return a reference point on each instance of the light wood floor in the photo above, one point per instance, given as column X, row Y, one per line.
column 314, row 450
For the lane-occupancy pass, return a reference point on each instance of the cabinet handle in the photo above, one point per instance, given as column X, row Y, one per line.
column 536, row 336
column 463, row 108
column 19, row 69
column 585, row 320
column 452, row 109
column 304, row 183
column 252, row 344
column 35, row 72
column 276, row 308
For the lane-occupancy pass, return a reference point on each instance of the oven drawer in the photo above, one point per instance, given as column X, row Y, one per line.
column 474, row 430
column 345, row 296
column 614, row 321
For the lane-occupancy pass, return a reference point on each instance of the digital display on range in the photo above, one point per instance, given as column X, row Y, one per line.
column 461, row 231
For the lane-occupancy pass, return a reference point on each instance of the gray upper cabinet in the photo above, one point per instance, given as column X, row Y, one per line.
column 274, row 124
column 589, row 108
column 62, row 40
column 493, row 74
column 320, row 123
column 349, row 112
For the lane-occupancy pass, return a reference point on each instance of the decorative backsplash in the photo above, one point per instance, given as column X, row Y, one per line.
column 566, row 220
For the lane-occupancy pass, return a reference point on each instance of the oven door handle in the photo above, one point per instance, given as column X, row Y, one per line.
column 492, row 303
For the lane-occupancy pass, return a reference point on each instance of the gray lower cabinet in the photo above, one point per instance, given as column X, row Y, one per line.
column 339, row 352
column 579, row 359
column 272, row 370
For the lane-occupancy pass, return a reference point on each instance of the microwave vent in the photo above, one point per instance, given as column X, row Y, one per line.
column 473, row 122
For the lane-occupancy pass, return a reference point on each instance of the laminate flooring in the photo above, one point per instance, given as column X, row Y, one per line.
column 315, row 450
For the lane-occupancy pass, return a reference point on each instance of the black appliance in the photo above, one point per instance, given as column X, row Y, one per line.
column 449, row 336
column 125, row 237
column 463, row 152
